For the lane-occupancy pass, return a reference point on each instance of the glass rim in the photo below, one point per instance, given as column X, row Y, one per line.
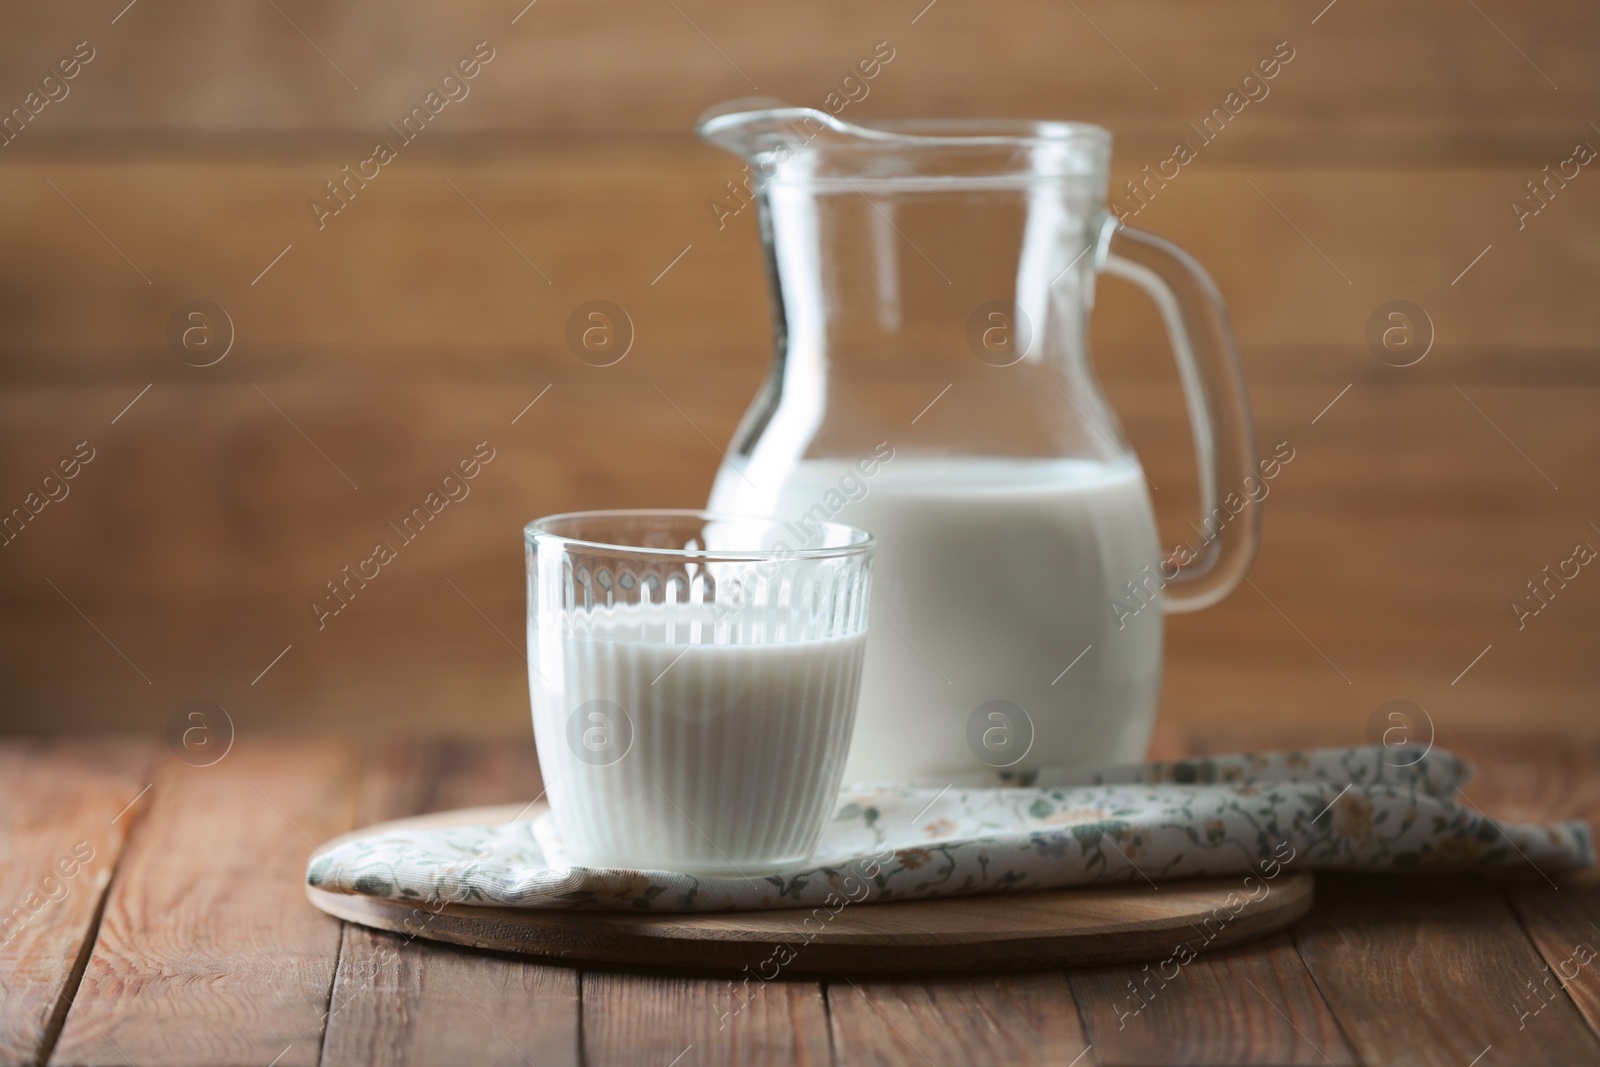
column 859, row 541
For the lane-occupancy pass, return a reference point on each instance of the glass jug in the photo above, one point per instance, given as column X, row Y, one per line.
column 931, row 285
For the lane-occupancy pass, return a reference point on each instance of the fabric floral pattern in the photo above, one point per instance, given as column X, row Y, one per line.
column 1371, row 809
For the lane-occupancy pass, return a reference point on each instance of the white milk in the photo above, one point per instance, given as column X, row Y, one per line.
column 723, row 758
column 991, row 577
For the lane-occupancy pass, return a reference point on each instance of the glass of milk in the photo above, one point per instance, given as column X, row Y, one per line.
column 694, row 681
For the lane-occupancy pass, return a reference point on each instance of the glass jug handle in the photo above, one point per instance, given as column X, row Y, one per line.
column 1202, row 570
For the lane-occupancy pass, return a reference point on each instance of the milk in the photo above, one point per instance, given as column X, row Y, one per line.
column 993, row 590
column 674, row 737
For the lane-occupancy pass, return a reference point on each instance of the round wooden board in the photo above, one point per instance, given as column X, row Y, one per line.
column 1013, row 931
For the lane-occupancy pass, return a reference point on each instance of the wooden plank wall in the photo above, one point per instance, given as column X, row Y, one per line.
column 374, row 353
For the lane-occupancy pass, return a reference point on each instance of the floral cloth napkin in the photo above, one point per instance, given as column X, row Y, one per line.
column 1374, row 809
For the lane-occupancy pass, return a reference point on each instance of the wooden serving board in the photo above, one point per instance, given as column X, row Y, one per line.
column 1013, row 931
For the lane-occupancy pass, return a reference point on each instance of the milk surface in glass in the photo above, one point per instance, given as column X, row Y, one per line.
column 995, row 581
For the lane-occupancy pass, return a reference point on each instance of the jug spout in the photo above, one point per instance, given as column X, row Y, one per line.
column 755, row 127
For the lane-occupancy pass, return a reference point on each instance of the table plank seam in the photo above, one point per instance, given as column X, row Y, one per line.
column 91, row 938
column 1322, row 994
column 69, row 989
column 1554, row 965
column 1316, row 983
column 333, row 983
column 583, row 1051
column 1077, row 1008
column 827, row 1019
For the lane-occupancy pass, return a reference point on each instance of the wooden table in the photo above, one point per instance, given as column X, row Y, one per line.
column 182, row 936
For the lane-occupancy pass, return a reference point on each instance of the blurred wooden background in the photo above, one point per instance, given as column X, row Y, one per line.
column 372, row 354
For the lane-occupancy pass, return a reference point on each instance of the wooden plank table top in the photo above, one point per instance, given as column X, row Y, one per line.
column 155, row 916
